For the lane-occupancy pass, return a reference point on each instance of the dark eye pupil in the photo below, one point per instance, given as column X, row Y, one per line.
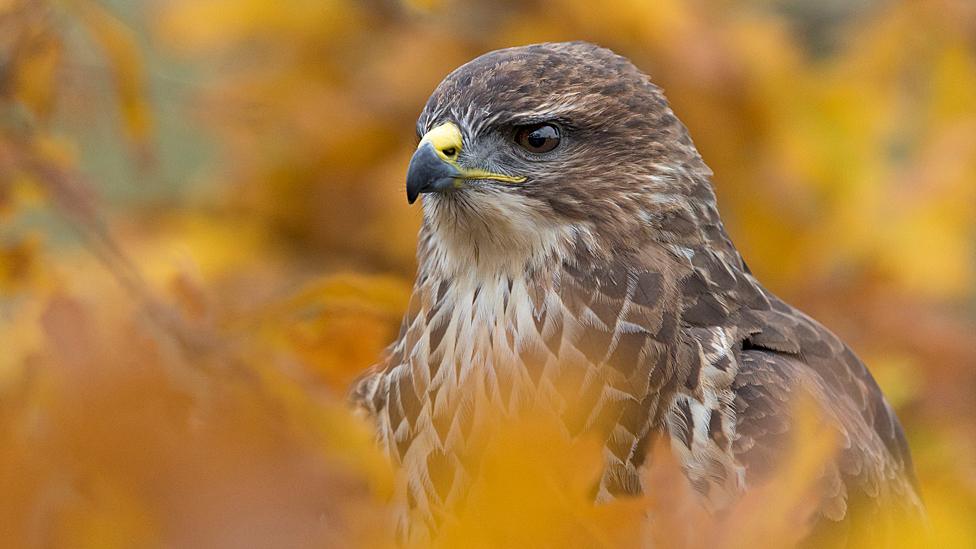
column 541, row 138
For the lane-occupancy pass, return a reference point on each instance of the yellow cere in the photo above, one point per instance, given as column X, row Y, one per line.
column 447, row 136
column 444, row 137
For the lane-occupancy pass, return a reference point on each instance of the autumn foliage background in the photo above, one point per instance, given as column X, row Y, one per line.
column 204, row 238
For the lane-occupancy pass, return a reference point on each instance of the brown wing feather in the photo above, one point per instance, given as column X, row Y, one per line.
column 872, row 473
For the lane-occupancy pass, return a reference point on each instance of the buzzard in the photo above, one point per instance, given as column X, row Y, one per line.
column 572, row 261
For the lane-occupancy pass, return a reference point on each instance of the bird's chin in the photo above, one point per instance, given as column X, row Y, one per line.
column 491, row 230
column 443, row 198
column 469, row 193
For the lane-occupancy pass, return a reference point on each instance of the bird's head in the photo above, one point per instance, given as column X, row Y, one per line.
column 524, row 148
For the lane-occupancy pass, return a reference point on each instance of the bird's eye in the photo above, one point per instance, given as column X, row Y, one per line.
column 538, row 138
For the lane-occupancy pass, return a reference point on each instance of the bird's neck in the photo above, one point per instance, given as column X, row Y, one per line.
column 496, row 239
column 471, row 240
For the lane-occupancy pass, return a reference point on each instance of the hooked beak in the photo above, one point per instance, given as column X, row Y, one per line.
column 429, row 173
column 434, row 167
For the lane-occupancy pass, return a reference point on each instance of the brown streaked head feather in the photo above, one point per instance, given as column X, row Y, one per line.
column 625, row 165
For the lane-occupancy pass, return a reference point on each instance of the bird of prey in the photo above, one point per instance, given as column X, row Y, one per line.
column 572, row 259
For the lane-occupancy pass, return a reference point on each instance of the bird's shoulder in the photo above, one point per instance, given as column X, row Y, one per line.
column 788, row 348
column 785, row 408
column 789, row 360
column 730, row 322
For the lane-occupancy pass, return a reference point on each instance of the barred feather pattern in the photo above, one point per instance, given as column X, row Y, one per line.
column 627, row 317
column 683, row 342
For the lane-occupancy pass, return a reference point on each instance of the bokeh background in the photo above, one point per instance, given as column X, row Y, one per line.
column 204, row 238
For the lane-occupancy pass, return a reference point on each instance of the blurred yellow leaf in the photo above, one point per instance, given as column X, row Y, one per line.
column 535, row 489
